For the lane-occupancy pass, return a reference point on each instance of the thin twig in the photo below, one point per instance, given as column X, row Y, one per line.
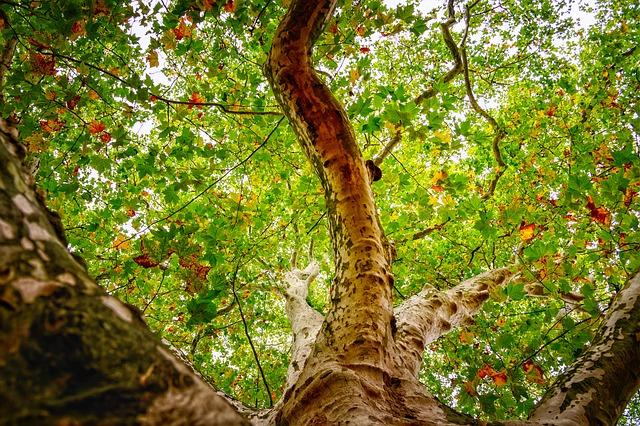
column 246, row 332
column 223, row 107
column 208, row 187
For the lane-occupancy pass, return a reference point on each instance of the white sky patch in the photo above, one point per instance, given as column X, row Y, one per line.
column 143, row 128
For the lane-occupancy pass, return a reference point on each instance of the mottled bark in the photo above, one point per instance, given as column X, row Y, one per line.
column 305, row 321
column 598, row 386
column 428, row 315
column 358, row 325
column 70, row 353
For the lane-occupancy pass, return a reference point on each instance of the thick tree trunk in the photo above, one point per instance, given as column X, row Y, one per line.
column 70, row 353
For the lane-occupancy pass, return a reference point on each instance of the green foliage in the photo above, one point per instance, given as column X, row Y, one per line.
column 182, row 208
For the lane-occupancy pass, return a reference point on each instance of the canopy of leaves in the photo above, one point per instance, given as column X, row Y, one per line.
column 153, row 133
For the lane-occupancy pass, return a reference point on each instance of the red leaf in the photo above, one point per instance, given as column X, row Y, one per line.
column 77, row 28
column 230, row 6
column 105, row 137
column 551, row 111
column 365, row 50
column 196, row 99
column 71, row 103
column 96, row 127
column 145, row 261
column 182, row 30
column 598, row 214
column 43, row 64
column 500, row 379
column 50, row 126
column 485, row 371
column 101, row 9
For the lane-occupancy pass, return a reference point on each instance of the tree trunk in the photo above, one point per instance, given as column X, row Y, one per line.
column 70, row 353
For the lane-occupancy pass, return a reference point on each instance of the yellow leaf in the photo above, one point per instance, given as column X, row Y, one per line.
column 354, row 75
column 93, row 95
column 390, row 126
column 152, row 58
column 466, row 337
column 121, row 243
column 527, row 231
column 438, row 176
column 443, row 135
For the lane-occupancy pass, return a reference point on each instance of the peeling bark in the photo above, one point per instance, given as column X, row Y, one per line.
column 70, row 353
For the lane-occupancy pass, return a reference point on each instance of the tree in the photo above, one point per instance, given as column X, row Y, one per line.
column 511, row 246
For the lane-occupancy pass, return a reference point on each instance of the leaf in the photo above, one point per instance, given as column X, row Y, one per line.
column 533, row 372
column 470, row 388
column 105, row 137
column 96, row 127
column 443, row 136
column 515, row 291
column 485, row 371
column 152, row 59
column 196, row 99
column 598, row 214
column 73, row 102
column 466, row 337
column 354, row 75
column 182, row 30
column 527, row 231
column 230, row 6
column 438, row 176
column 121, row 242
column 146, row 261
column 43, row 64
column 500, row 379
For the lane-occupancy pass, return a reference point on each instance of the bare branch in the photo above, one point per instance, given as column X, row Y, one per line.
column 498, row 130
column 423, row 318
column 386, row 150
column 246, row 332
column 305, row 321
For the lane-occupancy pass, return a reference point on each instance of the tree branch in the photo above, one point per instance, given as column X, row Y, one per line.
column 386, row 150
column 445, row 27
column 598, row 386
column 246, row 333
column 431, row 91
column 305, row 321
column 423, row 318
column 497, row 129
